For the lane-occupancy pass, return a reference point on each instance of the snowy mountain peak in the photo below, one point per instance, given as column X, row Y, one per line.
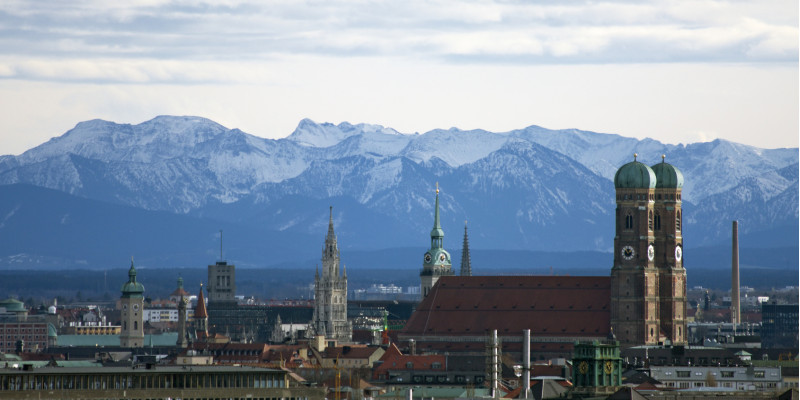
column 311, row 134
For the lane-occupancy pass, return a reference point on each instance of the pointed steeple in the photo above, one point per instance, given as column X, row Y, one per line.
column 330, row 252
column 437, row 233
column 200, row 309
column 466, row 266
column 132, row 273
column 131, row 288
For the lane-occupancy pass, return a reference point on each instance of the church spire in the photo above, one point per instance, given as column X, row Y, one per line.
column 437, row 233
column 466, row 266
column 330, row 252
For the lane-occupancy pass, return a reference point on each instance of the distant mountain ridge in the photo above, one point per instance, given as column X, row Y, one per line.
column 528, row 189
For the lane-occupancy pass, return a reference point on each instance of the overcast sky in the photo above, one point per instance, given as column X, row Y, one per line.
column 675, row 71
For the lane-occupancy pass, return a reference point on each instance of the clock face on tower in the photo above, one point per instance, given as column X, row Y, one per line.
column 428, row 257
column 678, row 253
column 651, row 252
column 627, row 252
column 442, row 257
column 609, row 367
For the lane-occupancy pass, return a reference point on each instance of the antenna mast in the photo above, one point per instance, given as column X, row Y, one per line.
column 220, row 245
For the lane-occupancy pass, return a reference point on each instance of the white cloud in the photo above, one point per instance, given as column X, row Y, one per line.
column 665, row 69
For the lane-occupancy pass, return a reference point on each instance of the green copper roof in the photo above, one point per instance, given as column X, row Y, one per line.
column 12, row 305
column 667, row 176
column 132, row 288
column 635, row 175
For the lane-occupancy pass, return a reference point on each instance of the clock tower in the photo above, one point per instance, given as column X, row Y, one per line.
column 436, row 261
column 634, row 276
column 669, row 251
column 132, row 303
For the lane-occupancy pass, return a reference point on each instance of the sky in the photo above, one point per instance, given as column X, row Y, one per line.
column 674, row 71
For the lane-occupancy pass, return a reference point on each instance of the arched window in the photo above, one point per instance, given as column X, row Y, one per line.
column 124, row 325
column 629, row 221
column 658, row 222
column 678, row 221
column 136, row 325
column 650, row 220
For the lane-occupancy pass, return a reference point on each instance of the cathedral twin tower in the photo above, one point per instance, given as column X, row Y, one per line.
column 648, row 281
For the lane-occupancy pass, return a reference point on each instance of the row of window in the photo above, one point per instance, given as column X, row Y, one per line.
column 30, row 337
column 22, row 330
column 651, row 197
column 653, row 221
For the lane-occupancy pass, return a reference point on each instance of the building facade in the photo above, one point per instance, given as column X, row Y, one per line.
column 436, row 261
column 648, row 281
column 330, row 293
column 132, row 312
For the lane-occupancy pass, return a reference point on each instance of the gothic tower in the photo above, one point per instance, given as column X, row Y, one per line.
column 634, row 276
column 667, row 225
column 330, row 293
column 132, row 303
column 436, row 262
column 201, row 316
column 466, row 265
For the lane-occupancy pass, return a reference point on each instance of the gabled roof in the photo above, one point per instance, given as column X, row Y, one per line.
column 349, row 352
column 548, row 305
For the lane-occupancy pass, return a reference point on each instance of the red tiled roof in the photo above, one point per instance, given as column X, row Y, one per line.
column 200, row 310
column 349, row 352
column 548, row 305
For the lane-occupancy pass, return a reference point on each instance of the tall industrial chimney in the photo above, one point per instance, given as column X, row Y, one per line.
column 526, row 365
column 736, row 316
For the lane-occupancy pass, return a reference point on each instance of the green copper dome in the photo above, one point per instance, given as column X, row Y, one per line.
column 12, row 305
column 131, row 288
column 667, row 176
column 635, row 175
column 51, row 330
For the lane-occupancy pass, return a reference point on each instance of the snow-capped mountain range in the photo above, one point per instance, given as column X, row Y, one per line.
column 531, row 189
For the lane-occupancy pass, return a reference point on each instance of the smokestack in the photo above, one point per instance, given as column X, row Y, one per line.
column 495, row 363
column 526, row 364
column 736, row 316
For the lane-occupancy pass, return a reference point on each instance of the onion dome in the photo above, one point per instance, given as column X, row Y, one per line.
column 131, row 288
column 635, row 175
column 51, row 330
column 667, row 176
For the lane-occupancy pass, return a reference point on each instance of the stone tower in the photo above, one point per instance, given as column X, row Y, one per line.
column 436, row 262
column 330, row 293
column 634, row 276
column 221, row 284
column 466, row 265
column 648, row 281
column 667, row 228
column 182, row 303
column 132, row 303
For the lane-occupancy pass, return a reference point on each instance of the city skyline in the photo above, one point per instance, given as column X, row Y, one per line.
column 676, row 74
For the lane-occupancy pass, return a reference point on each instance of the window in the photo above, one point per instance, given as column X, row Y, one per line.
column 650, row 220
column 658, row 222
column 136, row 325
column 684, row 374
column 436, row 365
column 759, row 374
column 409, row 365
column 727, row 374
column 678, row 221
column 629, row 221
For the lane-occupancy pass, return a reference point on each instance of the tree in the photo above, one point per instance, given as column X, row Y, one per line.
column 711, row 381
